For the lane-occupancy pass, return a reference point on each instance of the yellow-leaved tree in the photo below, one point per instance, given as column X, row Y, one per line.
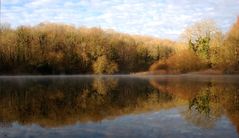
column 104, row 66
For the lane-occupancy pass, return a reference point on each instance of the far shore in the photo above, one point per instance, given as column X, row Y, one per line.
column 202, row 72
column 158, row 73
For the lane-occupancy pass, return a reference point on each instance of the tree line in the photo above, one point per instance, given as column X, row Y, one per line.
column 204, row 47
column 50, row 48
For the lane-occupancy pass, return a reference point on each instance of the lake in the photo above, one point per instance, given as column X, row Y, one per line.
column 119, row 106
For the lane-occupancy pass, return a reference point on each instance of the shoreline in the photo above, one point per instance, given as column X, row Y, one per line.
column 201, row 72
column 159, row 73
column 114, row 75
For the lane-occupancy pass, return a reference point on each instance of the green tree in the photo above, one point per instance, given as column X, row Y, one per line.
column 198, row 37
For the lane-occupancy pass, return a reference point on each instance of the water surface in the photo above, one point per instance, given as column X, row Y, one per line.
column 119, row 106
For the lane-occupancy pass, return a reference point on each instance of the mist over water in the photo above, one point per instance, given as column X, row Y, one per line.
column 119, row 106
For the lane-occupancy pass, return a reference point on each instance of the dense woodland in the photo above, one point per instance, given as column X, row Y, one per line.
column 50, row 48
column 62, row 49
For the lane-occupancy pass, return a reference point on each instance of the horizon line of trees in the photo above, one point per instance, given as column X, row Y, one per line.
column 49, row 48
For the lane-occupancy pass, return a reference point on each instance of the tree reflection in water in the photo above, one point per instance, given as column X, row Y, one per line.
column 59, row 101
column 207, row 99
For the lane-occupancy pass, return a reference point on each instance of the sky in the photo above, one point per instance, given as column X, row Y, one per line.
column 159, row 18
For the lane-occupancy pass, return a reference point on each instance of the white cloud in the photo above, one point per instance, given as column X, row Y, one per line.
column 163, row 19
column 39, row 3
column 11, row 1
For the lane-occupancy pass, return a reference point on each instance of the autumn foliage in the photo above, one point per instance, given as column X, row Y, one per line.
column 205, row 48
column 63, row 49
column 50, row 48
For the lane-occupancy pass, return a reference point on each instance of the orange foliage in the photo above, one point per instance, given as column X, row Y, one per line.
column 183, row 61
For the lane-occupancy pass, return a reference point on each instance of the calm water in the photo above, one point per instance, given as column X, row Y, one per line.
column 119, row 106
